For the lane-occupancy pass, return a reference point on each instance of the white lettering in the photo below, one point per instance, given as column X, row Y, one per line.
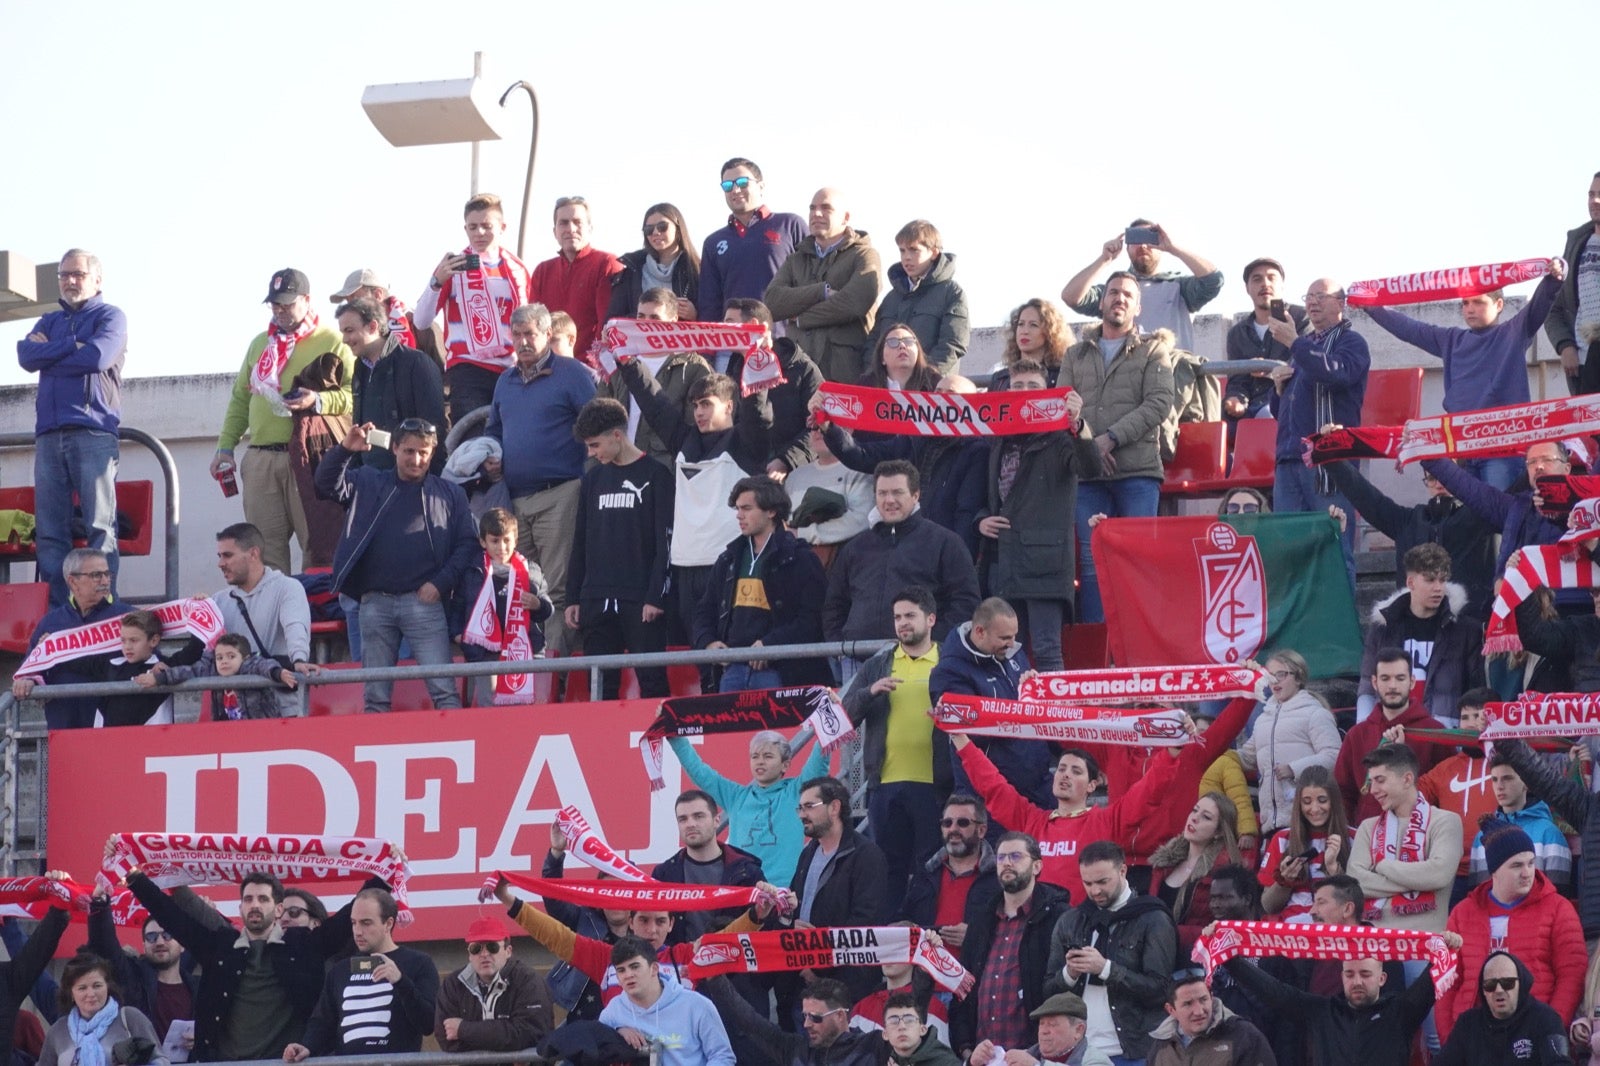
column 341, row 803
column 555, row 753
column 181, row 772
column 391, row 804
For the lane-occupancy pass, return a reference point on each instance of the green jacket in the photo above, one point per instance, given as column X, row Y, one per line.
column 833, row 331
column 1130, row 397
column 249, row 412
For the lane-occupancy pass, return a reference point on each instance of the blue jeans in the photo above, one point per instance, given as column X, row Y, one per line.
column 1130, row 497
column 386, row 618
column 67, row 461
column 739, row 677
column 1499, row 473
column 1294, row 488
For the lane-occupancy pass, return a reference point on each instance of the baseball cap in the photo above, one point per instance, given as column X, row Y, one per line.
column 358, row 279
column 286, row 285
column 486, row 929
column 1062, row 1003
column 1263, row 261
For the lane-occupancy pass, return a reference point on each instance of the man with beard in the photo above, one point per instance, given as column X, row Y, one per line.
column 1005, row 949
column 258, row 988
column 1509, row 1025
column 704, row 861
column 1391, row 682
column 156, row 981
column 1362, row 1025
column 383, row 1001
column 958, row 884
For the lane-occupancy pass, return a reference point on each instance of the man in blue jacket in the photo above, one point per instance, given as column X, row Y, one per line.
column 77, row 353
column 408, row 539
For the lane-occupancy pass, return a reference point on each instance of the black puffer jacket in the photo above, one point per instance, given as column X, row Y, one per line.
column 1533, row 1034
column 627, row 285
column 876, row 565
column 1047, row 907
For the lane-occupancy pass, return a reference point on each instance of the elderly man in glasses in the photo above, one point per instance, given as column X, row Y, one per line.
column 78, row 354
column 88, row 578
column 407, row 543
column 578, row 279
column 494, row 1002
column 740, row 260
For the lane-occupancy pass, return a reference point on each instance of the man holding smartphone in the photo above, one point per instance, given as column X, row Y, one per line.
column 1250, row 395
column 1169, row 300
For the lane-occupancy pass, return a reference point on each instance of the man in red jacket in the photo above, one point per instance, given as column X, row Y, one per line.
column 1391, row 677
column 1519, row 911
column 577, row 281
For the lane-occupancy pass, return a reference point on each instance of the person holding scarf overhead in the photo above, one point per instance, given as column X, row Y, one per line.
column 93, row 1024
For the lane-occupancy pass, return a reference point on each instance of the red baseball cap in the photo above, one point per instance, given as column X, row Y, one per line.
column 487, row 929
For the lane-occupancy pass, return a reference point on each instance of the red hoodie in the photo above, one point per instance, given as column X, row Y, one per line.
column 1365, row 736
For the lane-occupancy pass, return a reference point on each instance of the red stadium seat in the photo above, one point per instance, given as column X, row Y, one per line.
column 21, row 607
column 1084, row 646
column 1201, row 460
column 1393, row 397
column 1255, row 447
column 135, row 502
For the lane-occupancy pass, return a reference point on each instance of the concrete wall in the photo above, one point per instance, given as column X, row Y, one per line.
column 186, row 413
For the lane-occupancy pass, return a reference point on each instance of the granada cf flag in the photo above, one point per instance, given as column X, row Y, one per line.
column 1223, row 590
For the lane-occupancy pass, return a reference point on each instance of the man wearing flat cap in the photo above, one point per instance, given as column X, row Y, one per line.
column 1063, row 1020
column 494, row 1003
column 262, row 406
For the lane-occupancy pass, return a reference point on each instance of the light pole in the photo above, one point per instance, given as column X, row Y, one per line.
column 533, row 147
column 453, row 111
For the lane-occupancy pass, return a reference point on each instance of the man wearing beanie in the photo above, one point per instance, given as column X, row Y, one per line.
column 495, row 1003
column 1519, row 911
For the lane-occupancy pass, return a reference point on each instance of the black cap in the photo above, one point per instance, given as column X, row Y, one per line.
column 1264, row 261
column 286, row 285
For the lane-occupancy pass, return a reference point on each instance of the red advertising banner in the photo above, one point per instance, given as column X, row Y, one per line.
column 464, row 793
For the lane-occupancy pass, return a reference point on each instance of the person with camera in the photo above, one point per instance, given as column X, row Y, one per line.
column 1170, row 299
column 392, row 382
column 1250, row 395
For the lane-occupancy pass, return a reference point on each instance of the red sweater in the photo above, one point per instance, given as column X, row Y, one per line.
column 581, row 288
column 1365, row 736
column 1460, row 784
column 1543, row 931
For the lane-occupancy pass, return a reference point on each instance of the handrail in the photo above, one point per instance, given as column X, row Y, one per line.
column 592, row 664
column 169, row 476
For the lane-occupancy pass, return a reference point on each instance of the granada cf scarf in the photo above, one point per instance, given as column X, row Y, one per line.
column 1454, row 283
column 34, row 897
column 509, row 635
column 1256, row 940
column 196, row 617
column 744, row 712
column 1352, row 443
column 959, row 713
column 1157, row 684
column 587, row 846
column 171, row 859
column 1493, row 431
column 266, row 377
column 761, row 370
column 1555, row 566
column 810, row 949
column 647, row 895
column 945, row 414
column 476, row 330
column 1389, row 842
column 1553, row 714
column 622, row 339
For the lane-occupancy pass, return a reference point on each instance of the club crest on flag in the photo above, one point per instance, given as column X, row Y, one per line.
column 1234, row 583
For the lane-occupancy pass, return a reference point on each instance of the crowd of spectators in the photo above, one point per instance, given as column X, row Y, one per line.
column 665, row 503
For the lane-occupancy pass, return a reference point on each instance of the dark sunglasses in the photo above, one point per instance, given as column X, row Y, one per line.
column 740, row 182
column 418, row 425
column 656, row 227
column 964, row 823
column 818, row 1019
column 1504, row 984
column 1244, row 508
column 480, row 946
column 157, row 936
column 296, row 913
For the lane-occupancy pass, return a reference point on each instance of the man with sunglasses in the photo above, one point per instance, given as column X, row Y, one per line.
column 578, row 279
column 301, row 910
column 740, row 260
column 1508, row 1025
column 161, row 980
column 958, row 883
column 407, row 543
column 828, row 1040
column 494, row 1002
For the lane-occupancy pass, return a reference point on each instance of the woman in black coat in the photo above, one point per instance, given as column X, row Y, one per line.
column 667, row 261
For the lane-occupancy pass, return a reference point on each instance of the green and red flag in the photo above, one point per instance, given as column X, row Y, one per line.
column 1223, row 590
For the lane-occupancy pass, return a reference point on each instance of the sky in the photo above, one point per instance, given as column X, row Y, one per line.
column 197, row 148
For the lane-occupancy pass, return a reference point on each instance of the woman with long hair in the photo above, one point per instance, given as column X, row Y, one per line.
column 898, row 362
column 92, row 1022
column 1181, row 868
column 1294, row 731
column 667, row 261
column 1311, row 848
column 1037, row 330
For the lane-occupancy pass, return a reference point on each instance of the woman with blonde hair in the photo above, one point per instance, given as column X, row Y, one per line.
column 1038, row 331
column 1181, row 868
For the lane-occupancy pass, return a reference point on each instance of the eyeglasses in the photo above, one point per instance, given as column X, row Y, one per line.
column 900, row 342
column 296, row 913
column 73, row 275
column 741, row 182
column 817, row 1019
column 1282, row 675
column 93, row 575
column 656, row 227
column 910, row 1021
column 418, row 425
column 964, row 823
column 801, row 808
column 1504, row 984
column 1188, row 973
column 1244, row 508
column 480, row 946
column 1012, row 858
column 155, row 936
column 1313, row 296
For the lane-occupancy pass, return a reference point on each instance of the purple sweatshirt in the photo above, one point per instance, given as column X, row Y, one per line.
column 1482, row 367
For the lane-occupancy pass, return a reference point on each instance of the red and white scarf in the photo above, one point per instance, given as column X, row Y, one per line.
column 1018, row 719
column 945, row 414
column 812, row 949
column 477, row 324
column 1258, row 940
column 622, row 339
column 171, row 859
column 1483, row 434
column 266, row 379
column 650, row 895
column 34, row 897
column 1453, row 283
column 1146, row 684
column 1542, row 714
column 744, row 712
column 587, row 847
column 510, row 636
column 1553, row 566
column 400, row 321
column 1408, row 848
column 197, row 617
